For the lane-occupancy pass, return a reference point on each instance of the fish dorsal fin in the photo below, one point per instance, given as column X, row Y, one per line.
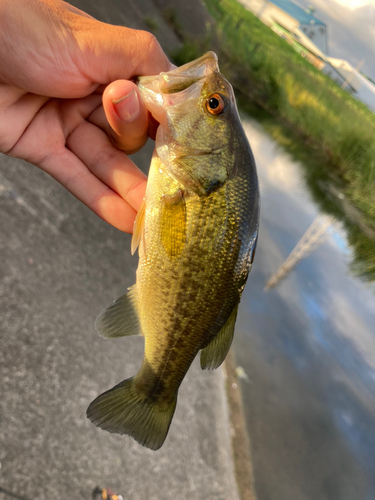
column 214, row 354
column 138, row 227
column 173, row 223
column 120, row 318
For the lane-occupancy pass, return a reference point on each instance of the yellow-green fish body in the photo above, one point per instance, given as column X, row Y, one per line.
column 197, row 232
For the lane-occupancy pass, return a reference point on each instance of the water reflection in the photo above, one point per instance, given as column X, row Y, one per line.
column 309, row 242
column 308, row 347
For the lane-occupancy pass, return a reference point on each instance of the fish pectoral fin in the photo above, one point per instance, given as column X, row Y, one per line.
column 214, row 354
column 120, row 318
column 173, row 223
column 123, row 410
column 202, row 173
column 139, row 225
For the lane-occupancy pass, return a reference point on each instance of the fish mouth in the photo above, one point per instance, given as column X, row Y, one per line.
column 181, row 78
column 179, row 84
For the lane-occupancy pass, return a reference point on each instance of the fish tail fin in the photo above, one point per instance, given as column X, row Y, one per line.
column 123, row 410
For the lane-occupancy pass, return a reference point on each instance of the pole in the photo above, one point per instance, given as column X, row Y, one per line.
column 351, row 76
column 312, row 238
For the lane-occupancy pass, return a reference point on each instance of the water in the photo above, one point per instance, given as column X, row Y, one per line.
column 308, row 348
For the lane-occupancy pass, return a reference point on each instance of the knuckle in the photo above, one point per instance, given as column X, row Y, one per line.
column 73, row 180
column 104, row 156
column 7, row 139
column 150, row 43
column 129, row 145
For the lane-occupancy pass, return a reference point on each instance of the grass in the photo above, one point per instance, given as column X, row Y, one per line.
column 151, row 23
column 307, row 109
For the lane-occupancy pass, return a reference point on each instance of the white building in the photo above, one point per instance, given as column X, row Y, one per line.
column 364, row 90
column 309, row 30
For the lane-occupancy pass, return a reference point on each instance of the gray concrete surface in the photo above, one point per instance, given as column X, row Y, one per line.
column 60, row 265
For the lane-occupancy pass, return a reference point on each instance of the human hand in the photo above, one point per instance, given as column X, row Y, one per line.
column 59, row 109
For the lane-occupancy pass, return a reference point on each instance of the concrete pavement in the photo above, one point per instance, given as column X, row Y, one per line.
column 60, row 265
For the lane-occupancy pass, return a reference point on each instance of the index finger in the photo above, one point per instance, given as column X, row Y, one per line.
column 116, row 52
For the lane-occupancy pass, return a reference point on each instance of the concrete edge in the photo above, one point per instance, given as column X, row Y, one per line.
column 240, row 441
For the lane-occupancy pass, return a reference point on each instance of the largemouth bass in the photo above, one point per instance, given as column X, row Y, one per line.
column 197, row 232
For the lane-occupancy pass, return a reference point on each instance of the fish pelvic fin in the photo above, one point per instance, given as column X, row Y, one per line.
column 138, row 229
column 120, row 318
column 123, row 410
column 214, row 354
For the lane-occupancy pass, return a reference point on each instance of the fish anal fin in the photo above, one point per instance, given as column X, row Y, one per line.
column 123, row 410
column 120, row 318
column 173, row 223
column 214, row 354
column 138, row 228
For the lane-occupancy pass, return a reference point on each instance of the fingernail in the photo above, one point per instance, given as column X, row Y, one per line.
column 127, row 106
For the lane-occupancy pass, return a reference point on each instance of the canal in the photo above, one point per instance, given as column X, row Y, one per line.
column 307, row 347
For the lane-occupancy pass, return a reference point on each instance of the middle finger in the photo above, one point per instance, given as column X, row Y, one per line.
column 93, row 147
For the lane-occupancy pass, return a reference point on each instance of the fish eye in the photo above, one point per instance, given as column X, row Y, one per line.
column 215, row 104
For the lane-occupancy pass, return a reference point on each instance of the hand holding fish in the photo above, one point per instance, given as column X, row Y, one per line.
column 59, row 109
column 197, row 226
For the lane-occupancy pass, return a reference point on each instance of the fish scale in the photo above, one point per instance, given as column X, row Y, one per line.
column 197, row 232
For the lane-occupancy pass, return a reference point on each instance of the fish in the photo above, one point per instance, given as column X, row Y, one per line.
column 196, row 234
